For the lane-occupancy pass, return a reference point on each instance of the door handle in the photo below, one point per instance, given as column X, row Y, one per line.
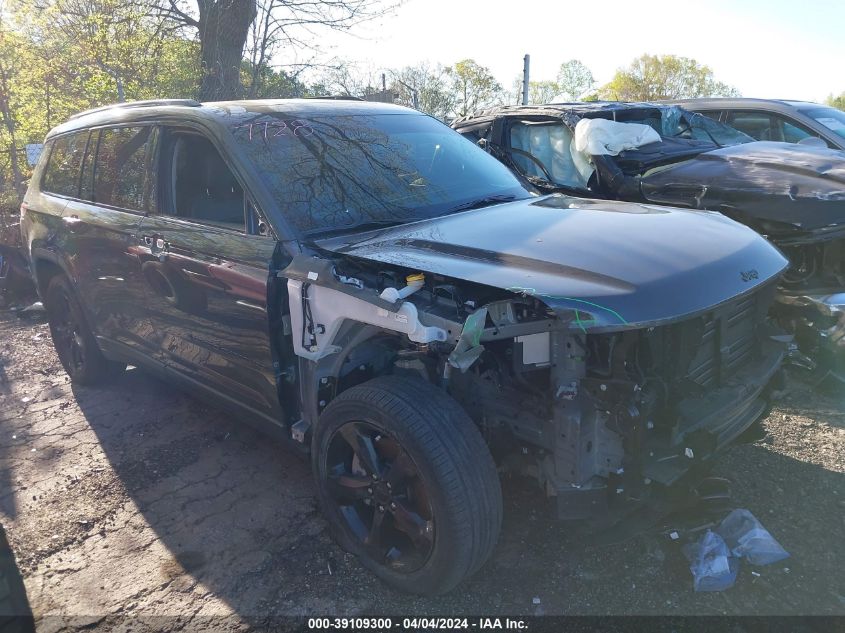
column 157, row 245
column 73, row 223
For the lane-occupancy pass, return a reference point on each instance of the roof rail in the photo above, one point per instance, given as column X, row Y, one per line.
column 337, row 97
column 191, row 103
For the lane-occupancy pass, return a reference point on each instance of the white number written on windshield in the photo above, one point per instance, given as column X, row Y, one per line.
column 275, row 129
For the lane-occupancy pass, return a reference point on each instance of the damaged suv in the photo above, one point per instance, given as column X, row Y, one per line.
column 794, row 194
column 382, row 293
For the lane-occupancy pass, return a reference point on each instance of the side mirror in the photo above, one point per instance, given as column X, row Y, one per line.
column 812, row 141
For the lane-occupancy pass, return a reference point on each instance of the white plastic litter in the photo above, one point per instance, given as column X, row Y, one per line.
column 714, row 559
column 712, row 566
column 597, row 137
column 747, row 538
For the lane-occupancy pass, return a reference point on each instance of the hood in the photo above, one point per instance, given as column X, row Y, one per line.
column 608, row 265
column 779, row 188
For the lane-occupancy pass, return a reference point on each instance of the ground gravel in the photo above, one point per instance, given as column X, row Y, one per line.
column 136, row 499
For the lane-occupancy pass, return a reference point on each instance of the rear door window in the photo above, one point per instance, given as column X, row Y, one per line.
column 756, row 124
column 62, row 173
column 765, row 126
column 123, row 174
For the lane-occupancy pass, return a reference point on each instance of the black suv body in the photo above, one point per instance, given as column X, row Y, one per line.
column 384, row 294
column 792, row 193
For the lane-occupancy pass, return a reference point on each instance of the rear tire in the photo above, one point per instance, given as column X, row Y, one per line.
column 75, row 344
column 440, row 521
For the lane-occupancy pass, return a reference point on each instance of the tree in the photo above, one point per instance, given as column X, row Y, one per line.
column 432, row 86
column 836, row 102
column 574, row 79
column 474, row 85
column 85, row 53
column 224, row 26
column 540, row 92
column 8, row 43
column 653, row 77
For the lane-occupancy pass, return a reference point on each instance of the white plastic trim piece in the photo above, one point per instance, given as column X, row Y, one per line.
column 330, row 308
column 393, row 295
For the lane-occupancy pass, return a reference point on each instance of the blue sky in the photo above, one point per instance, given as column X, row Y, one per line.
column 765, row 48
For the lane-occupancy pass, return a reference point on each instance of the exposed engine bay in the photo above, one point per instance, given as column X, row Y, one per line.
column 601, row 420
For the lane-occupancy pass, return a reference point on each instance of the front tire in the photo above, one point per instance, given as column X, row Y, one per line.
column 74, row 342
column 407, row 483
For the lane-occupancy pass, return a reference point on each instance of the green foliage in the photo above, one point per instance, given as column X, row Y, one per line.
column 540, row 92
column 73, row 55
column 574, row 79
column 836, row 102
column 266, row 83
column 474, row 86
column 653, row 77
column 433, row 89
column 63, row 56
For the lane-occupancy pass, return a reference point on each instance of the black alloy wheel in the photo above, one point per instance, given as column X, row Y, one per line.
column 381, row 496
column 75, row 344
column 407, row 483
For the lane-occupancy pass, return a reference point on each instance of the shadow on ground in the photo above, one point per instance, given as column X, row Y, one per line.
column 237, row 514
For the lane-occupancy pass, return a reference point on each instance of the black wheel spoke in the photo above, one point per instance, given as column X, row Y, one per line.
column 353, row 520
column 401, row 469
column 377, row 488
column 374, row 537
column 349, row 488
column 363, row 446
column 411, row 524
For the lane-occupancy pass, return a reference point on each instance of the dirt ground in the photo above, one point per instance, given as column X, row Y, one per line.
column 138, row 500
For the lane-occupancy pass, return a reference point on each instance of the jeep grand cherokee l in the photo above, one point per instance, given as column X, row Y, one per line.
column 379, row 291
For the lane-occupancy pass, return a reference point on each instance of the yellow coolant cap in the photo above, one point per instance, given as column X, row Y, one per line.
column 415, row 277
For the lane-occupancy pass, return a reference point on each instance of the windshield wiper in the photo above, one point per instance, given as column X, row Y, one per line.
column 486, row 201
column 359, row 226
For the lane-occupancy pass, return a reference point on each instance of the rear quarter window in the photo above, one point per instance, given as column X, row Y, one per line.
column 61, row 175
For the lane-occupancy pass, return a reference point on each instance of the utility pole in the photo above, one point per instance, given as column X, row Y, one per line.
column 526, row 62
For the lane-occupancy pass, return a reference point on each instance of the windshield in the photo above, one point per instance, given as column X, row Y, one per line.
column 831, row 118
column 338, row 172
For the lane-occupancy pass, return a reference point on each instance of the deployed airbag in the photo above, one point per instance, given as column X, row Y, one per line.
column 550, row 145
column 599, row 137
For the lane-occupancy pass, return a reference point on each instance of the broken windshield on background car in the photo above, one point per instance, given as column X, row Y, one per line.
column 345, row 172
column 678, row 123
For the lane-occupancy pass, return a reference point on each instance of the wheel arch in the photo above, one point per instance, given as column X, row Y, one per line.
column 45, row 266
column 367, row 352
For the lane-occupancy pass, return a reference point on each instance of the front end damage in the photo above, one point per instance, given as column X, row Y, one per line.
column 610, row 421
column 607, row 416
column 794, row 196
